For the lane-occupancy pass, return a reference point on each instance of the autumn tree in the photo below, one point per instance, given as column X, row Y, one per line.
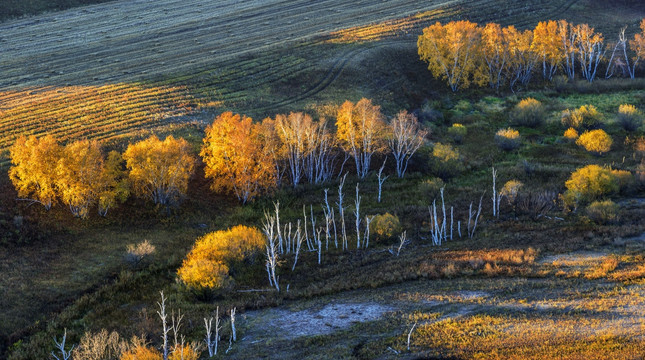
column 159, row 170
column 209, row 262
column 33, row 170
column 637, row 46
column 235, row 157
column 548, row 47
column 567, row 37
column 522, row 58
column 452, row 52
column 115, row 187
column 80, row 176
column 495, row 53
column 590, row 49
column 360, row 132
column 404, row 139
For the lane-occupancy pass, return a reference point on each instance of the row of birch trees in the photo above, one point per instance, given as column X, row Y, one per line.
column 464, row 53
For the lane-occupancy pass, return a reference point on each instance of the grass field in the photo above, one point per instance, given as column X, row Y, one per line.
column 121, row 70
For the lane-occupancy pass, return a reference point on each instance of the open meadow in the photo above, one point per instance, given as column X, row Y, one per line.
column 490, row 251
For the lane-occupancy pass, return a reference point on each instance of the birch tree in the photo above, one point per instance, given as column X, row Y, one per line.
column 568, row 37
column 405, row 138
column 361, row 132
column 33, row 170
column 495, row 53
column 590, row 49
column 548, row 47
column 452, row 52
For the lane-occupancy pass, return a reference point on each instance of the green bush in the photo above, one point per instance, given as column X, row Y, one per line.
column 629, row 117
column 430, row 188
column 528, row 112
column 508, row 139
column 457, row 132
column 385, row 227
column 603, row 212
column 445, row 161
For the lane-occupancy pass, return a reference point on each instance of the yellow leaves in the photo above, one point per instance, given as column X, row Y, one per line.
column 33, row 173
column 596, row 141
column 452, row 52
column 588, row 183
column 159, row 169
column 571, row 134
column 236, row 156
column 638, row 44
column 207, row 265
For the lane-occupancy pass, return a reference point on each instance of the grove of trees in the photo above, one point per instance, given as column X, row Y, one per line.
column 463, row 53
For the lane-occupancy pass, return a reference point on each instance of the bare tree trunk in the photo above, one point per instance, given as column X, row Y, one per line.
column 164, row 322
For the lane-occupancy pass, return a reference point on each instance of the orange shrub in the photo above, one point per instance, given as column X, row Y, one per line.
column 586, row 116
column 141, row 352
column 208, row 263
column 508, row 139
column 589, row 183
column 571, row 134
column 596, row 141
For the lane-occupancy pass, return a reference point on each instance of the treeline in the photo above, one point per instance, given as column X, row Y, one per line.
column 464, row 53
column 241, row 157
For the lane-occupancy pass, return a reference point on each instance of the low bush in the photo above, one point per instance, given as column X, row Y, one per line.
column 629, row 117
column 528, row 112
column 209, row 263
column 457, row 132
column 571, row 134
column 603, row 212
column 586, row 117
column 385, row 227
column 445, row 161
column 430, row 188
column 508, row 139
column 589, row 183
column 595, row 141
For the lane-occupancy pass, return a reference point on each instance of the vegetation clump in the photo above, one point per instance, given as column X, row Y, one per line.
column 385, row 226
column 508, row 139
column 590, row 183
column 585, row 117
column 571, row 134
column 603, row 212
column 529, row 112
column 209, row 263
column 629, row 117
column 595, row 141
column 430, row 188
column 445, row 160
column 457, row 131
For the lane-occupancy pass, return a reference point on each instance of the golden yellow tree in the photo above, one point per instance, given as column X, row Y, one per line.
column 548, row 47
column 80, row 176
column 158, row 169
column 522, row 58
column 567, row 37
column 637, row 46
column 496, row 54
column 453, row 53
column 33, row 170
column 590, row 48
column 208, row 263
column 236, row 159
column 361, row 132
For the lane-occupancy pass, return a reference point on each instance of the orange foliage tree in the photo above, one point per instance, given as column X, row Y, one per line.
column 590, row 48
column 33, row 171
column 522, row 58
column 361, row 132
column 208, row 263
column 637, row 46
column 495, row 53
column 235, row 157
column 453, row 52
column 158, row 169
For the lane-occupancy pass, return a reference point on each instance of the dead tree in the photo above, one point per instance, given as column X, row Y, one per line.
column 403, row 241
column 471, row 231
column 233, row 333
column 341, row 212
column 212, row 343
column 60, row 346
column 497, row 197
column 298, row 243
column 405, row 140
column 381, row 180
column 357, row 214
column 164, row 322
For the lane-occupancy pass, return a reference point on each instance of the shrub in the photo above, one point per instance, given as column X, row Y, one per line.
column 640, row 175
column 445, row 160
column 571, row 134
column 595, row 141
column 586, row 116
column 184, row 352
column 625, row 179
column 528, row 112
column 508, row 139
column 136, row 254
column 589, row 183
column 141, row 352
column 430, row 188
column 457, row 132
column 385, row 226
column 209, row 263
column 511, row 189
column 629, row 117
column 603, row 212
